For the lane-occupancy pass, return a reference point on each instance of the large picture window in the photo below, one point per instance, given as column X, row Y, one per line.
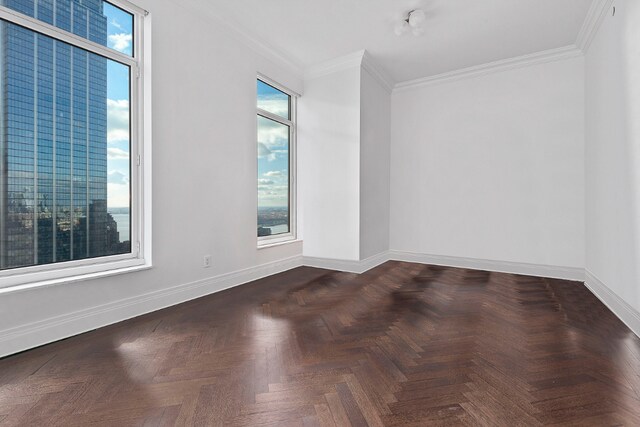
column 276, row 163
column 70, row 136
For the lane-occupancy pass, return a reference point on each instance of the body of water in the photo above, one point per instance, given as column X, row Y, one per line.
column 279, row 229
column 123, row 225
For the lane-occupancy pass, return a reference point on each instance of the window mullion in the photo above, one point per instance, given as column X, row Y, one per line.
column 274, row 117
column 64, row 36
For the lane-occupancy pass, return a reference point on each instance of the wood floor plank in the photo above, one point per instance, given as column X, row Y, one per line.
column 400, row 345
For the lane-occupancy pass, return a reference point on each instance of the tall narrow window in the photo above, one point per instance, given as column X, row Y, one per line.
column 69, row 136
column 276, row 163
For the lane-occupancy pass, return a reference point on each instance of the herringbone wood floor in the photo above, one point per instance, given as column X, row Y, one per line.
column 403, row 344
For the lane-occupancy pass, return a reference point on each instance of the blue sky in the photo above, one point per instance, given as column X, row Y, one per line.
column 273, row 149
column 273, row 138
column 120, row 38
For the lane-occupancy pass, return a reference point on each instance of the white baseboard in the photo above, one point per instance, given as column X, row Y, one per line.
column 347, row 265
column 56, row 328
column 567, row 273
column 53, row 329
column 627, row 314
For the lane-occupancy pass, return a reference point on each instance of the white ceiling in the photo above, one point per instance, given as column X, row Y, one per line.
column 459, row 33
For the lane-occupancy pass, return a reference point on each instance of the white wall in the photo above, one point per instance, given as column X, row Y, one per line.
column 204, row 181
column 492, row 167
column 613, row 156
column 489, row 168
column 375, row 139
column 329, row 164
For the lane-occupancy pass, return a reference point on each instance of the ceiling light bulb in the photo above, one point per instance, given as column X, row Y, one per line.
column 417, row 18
column 401, row 28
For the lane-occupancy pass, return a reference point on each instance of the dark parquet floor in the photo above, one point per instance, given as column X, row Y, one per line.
column 403, row 344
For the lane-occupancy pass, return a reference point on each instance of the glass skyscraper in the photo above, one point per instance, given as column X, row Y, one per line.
column 53, row 138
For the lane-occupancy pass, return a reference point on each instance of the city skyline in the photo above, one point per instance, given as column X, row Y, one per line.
column 120, row 38
column 273, row 148
column 273, row 141
column 62, row 136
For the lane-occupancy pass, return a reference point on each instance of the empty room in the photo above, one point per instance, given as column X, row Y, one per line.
column 319, row 213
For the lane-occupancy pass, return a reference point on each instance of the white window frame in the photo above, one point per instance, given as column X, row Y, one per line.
column 140, row 157
column 266, row 241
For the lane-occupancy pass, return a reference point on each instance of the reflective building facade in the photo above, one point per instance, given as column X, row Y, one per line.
column 53, row 138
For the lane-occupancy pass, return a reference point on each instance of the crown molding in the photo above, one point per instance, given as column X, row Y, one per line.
column 543, row 57
column 377, row 72
column 249, row 39
column 592, row 22
column 266, row 50
column 361, row 58
column 334, row 65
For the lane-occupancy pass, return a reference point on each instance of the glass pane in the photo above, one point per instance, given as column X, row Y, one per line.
column 119, row 28
column 96, row 20
column 118, row 155
column 64, row 161
column 273, row 178
column 273, row 100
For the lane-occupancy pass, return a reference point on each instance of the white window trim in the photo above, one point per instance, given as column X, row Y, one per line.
column 140, row 63
column 291, row 236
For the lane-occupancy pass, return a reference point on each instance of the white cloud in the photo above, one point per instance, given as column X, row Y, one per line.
column 276, row 105
column 120, row 42
column 275, row 189
column 272, row 134
column 264, row 181
column 117, row 120
column 116, row 24
column 117, row 195
column 116, row 153
column 264, row 152
column 117, row 189
column 274, row 173
column 116, row 177
column 273, row 195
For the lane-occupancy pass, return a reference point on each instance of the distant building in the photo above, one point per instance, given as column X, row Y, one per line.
column 53, row 168
column 264, row 231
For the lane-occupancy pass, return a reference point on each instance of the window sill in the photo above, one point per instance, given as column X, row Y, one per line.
column 274, row 244
column 71, row 279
